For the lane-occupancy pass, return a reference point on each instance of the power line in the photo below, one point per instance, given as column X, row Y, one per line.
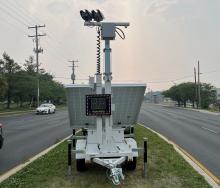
column 19, row 14
column 26, row 14
column 208, row 72
column 13, row 17
column 181, row 78
column 25, row 11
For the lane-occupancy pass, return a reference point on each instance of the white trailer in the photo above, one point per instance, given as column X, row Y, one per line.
column 105, row 110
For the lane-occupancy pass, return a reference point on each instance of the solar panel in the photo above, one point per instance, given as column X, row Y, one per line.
column 126, row 100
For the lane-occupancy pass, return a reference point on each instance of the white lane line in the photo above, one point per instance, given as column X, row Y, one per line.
column 210, row 130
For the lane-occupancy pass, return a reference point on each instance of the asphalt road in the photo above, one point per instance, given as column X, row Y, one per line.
column 198, row 133
column 28, row 135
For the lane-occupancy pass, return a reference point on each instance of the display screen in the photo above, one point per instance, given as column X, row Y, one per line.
column 98, row 104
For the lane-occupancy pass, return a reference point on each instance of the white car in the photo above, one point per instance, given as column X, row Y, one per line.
column 46, row 109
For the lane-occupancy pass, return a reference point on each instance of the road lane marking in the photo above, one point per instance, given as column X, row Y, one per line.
column 200, row 168
column 210, row 130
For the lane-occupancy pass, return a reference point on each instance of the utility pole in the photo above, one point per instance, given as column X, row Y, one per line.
column 199, row 94
column 73, row 76
column 196, row 98
column 37, row 50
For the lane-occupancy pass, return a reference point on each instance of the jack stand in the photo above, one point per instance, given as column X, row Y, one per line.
column 69, row 159
column 145, row 158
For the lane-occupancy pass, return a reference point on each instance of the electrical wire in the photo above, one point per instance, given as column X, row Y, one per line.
column 98, row 46
column 121, row 36
column 25, row 14
column 16, row 12
column 8, row 13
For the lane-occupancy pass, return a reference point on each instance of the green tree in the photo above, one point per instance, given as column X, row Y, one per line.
column 174, row 93
column 186, row 92
column 20, row 85
column 208, row 95
column 3, row 86
column 8, row 68
column 24, row 88
column 30, row 67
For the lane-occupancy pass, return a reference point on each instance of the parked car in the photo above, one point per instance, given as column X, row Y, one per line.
column 1, row 136
column 46, row 108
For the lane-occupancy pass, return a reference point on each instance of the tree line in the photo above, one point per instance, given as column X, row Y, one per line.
column 188, row 92
column 18, row 84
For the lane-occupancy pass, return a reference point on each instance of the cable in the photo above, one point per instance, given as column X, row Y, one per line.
column 25, row 14
column 209, row 72
column 14, row 17
column 122, row 37
column 17, row 13
column 98, row 49
column 25, row 11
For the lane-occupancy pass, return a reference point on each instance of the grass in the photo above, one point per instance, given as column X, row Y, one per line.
column 166, row 168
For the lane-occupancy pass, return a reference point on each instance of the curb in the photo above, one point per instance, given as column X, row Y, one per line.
column 195, row 110
column 32, row 159
column 14, row 113
column 200, row 168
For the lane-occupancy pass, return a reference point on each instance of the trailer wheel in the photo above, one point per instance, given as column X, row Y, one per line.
column 81, row 165
column 131, row 165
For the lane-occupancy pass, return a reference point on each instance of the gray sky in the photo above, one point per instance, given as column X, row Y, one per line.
column 163, row 44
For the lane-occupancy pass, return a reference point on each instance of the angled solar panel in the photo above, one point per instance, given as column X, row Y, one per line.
column 126, row 100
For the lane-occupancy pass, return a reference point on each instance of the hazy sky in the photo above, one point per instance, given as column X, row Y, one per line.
column 163, row 44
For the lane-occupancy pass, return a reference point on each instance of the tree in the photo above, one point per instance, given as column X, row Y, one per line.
column 8, row 68
column 174, row 93
column 24, row 88
column 30, row 67
column 186, row 92
column 3, row 86
column 20, row 85
column 208, row 95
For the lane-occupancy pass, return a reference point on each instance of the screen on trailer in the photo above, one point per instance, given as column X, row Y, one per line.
column 98, row 104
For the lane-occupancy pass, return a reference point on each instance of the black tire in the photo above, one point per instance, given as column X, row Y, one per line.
column 81, row 165
column 54, row 111
column 1, row 141
column 48, row 112
column 131, row 165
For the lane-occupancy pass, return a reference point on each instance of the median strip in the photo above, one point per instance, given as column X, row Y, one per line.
column 21, row 166
column 165, row 168
column 200, row 168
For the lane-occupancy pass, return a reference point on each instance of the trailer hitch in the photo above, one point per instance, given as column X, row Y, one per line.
column 116, row 175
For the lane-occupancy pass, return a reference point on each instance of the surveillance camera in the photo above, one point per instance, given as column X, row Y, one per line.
column 86, row 15
column 97, row 15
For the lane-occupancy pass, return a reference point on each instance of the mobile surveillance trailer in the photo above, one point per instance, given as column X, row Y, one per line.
column 104, row 110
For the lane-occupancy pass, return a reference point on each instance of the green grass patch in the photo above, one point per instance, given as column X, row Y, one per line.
column 166, row 168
